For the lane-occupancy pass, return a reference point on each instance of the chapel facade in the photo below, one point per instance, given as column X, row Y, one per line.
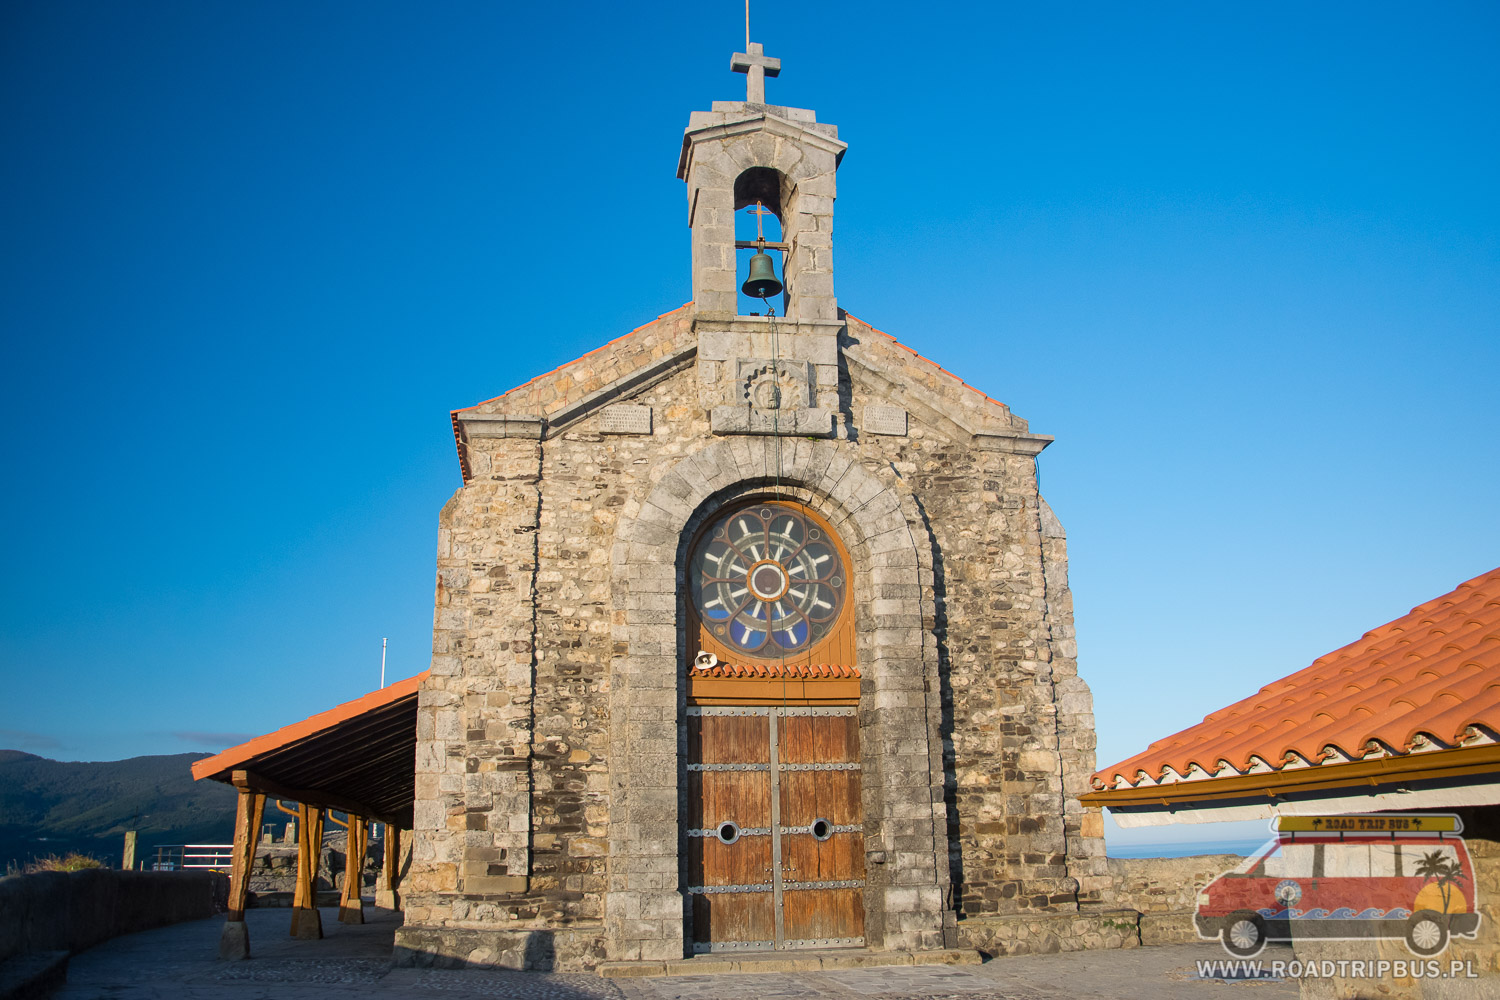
column 752, row 631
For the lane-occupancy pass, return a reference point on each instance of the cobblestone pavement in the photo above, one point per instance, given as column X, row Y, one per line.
column 177, row 963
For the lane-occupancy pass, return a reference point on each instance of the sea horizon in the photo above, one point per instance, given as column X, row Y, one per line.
column 1186, row 848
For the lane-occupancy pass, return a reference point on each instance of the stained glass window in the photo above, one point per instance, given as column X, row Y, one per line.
column 767, row 580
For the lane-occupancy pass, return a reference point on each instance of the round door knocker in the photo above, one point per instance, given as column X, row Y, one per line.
column 727, row 832
column 821, row 829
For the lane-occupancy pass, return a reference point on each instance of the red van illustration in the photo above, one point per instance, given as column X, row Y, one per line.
column 1380, row 875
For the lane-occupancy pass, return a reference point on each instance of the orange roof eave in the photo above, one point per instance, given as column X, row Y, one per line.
column 1362, row 775
column 228, row 760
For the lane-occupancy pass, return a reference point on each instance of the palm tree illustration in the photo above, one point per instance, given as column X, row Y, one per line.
column 1433, row 867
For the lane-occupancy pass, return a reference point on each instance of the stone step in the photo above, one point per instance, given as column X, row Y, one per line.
column 786, row 961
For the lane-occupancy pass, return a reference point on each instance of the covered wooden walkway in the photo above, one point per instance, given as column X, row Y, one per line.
column 359, row 759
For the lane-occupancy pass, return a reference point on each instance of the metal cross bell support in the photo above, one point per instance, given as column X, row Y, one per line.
column 762, row 282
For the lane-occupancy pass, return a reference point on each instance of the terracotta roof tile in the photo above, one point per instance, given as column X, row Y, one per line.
column 778, row 670
column 1430, row 679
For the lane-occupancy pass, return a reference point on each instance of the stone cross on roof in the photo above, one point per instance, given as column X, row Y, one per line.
column 756, row 65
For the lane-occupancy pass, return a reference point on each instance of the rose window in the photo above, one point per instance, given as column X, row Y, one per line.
column 767, row 581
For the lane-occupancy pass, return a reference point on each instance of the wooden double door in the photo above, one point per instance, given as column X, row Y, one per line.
column 774, row 855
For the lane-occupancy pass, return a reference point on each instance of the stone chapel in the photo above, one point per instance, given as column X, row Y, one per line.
column 752, row 630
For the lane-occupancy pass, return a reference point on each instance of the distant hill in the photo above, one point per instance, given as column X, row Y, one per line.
column 52, row 807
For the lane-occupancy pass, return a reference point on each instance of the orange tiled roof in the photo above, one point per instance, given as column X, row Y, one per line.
column 1429, row 680
column 778, row 670
column 356, row 757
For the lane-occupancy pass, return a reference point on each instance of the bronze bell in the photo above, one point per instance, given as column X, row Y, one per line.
column 762, row 283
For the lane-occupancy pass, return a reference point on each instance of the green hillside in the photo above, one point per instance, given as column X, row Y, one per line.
column 51, row 807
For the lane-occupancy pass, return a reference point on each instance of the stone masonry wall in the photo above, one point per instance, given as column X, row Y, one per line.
column 529, row 697
column 474, row 748
column 1005, row 630
column 1165, row 892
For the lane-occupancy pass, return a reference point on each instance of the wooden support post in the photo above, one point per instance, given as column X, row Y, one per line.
column 234, row 941
column 351, row 906
column 299, row 900
column 307, row 925
column 387, row 889
column 127, row 860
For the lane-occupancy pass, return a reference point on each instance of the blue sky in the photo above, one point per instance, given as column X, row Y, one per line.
column 1241, row 260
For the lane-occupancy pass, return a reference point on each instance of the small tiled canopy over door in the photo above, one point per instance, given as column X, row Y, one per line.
column 774, row 857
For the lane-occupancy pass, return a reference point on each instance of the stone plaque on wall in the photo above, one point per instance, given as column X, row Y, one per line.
column 625, row 418
column 885, row 419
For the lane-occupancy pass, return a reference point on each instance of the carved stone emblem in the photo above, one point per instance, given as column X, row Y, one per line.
column 775, row 397
column 775, row 386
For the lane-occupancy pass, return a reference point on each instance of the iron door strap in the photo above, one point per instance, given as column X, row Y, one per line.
column 816, row 710
column 754, row 831
column 851, row 883
column 849, row 942
column 708, row 947
column 840, row 828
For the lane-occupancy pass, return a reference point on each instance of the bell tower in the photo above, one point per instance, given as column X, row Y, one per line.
column 764, row 374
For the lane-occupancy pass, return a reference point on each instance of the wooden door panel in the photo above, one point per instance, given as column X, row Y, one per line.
column 729, row 780
column 819, row 779
column 740, row 797
column 724, row 739
column 823, row 916
column 810, row 795
column 744, row 918
column 839, row 858
column 812, row 739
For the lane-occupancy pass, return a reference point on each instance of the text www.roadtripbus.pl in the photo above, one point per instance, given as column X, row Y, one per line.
column 1349, row 968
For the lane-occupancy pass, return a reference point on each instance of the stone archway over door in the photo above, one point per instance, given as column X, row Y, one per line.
column 899, row 748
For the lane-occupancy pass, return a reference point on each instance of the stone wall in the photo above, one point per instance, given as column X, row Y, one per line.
column 1021, row 735
column 513, row 800
column 1165, row 892
column 71, row 911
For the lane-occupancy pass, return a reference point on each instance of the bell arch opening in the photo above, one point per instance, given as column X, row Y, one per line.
column 759, row 184
column 758, row 213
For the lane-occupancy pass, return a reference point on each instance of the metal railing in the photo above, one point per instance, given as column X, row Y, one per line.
column 190, row 857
